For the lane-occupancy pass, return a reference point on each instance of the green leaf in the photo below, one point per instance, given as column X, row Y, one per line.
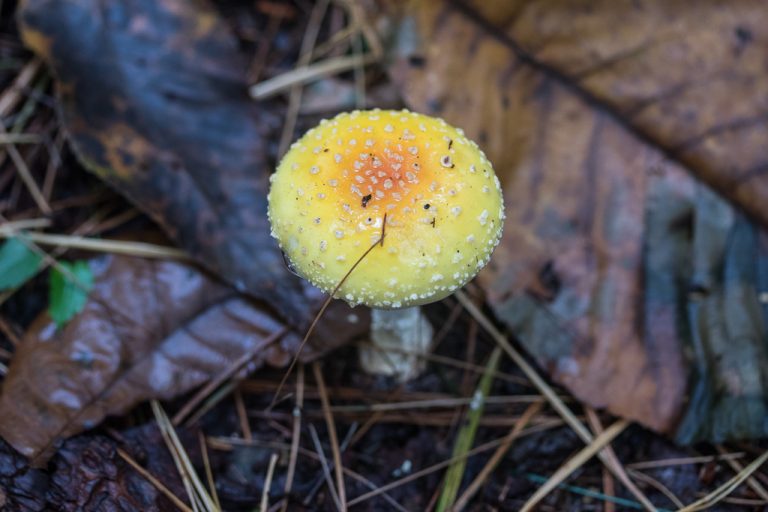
column 69, row 287
column 18, row 263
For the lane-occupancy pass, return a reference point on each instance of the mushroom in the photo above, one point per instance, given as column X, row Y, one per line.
column 412, row 179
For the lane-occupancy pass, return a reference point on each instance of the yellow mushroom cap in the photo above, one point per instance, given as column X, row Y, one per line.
column 442, row 200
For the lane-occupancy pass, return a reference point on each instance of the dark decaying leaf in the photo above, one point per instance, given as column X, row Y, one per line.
column 21, row 488
column 87, row 473
column 150, row 329
column 633, row 284
column 153, row 96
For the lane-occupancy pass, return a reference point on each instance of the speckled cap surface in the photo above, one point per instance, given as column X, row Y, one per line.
column 443, row 205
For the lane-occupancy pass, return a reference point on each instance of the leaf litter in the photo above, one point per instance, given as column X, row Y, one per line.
column 544, row 269
column 632, row 283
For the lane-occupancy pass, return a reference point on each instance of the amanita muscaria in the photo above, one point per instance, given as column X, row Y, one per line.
column 419, row 181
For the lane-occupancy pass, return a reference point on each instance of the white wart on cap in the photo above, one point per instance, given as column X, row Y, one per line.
column 442, row 200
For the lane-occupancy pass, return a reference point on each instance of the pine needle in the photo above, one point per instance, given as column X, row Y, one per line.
column 268, row 483
column 198, row 494
column 154, row 481
column 727, row 488
column 575, row 462
column 544, row 388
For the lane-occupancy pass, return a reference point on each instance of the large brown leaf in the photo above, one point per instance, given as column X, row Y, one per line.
column 692, row 79
column 632, row 283
column 150, row 329
column 153, row 95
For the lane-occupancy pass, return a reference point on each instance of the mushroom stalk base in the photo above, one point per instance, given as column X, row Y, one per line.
column 399, row 338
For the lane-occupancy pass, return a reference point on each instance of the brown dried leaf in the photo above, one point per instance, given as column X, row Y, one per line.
column 690, row 79
column 154, row 98
column 607, row 235
column 151, row 329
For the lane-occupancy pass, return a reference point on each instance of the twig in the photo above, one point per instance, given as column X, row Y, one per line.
column 331, row 426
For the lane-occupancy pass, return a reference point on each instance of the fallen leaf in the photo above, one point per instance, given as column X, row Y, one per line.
column 69, row 285
column 21, row 488
column 632, row 283
column 90, row 473
column 690, row 80
column 150, row 329
column 18, row 263
column 87, row 472
column 153, row 96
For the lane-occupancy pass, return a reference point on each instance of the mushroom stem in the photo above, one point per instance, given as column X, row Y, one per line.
column 399, row 338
